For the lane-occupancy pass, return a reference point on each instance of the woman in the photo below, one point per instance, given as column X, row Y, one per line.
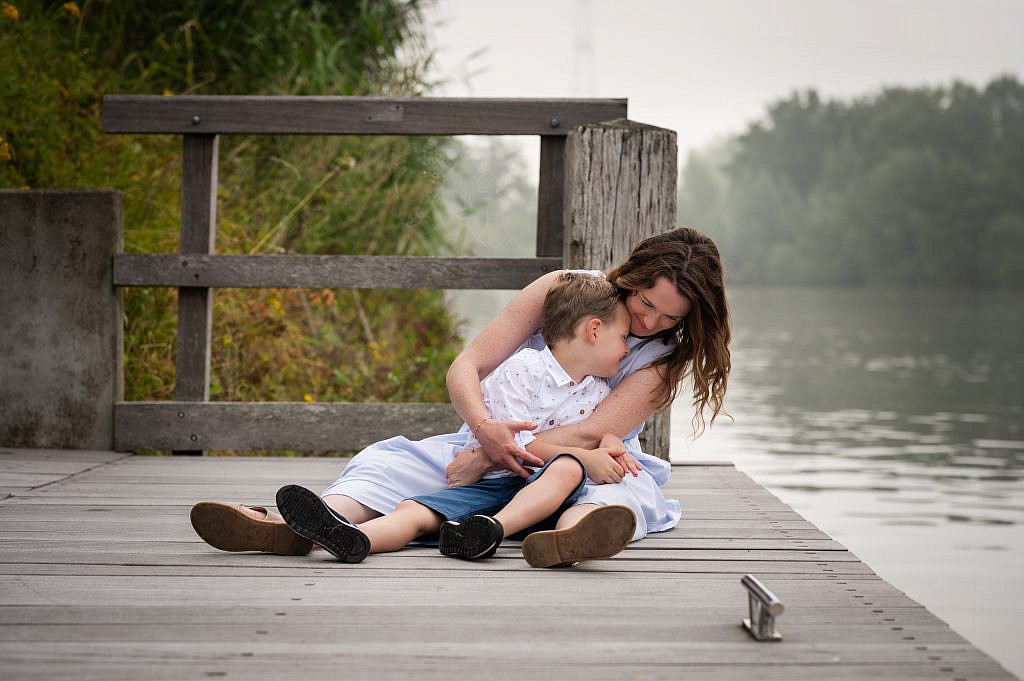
column 680, row 327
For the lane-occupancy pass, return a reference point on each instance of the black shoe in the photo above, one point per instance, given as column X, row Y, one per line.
column 307, row 515
column 475, row 539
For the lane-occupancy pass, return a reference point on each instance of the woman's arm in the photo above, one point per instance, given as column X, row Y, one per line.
column 629, row 404
column 495, row 342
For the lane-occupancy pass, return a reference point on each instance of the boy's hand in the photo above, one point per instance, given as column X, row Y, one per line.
column 601, row 466
column 468, row 467
column 617, row 449
column 628, row 463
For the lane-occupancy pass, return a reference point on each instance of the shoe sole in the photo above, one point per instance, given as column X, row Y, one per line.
column 470, row 540
column 308, row 516
column 602, row 533
column 225, row 527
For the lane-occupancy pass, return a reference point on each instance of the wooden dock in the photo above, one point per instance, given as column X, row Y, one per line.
column 103, row 578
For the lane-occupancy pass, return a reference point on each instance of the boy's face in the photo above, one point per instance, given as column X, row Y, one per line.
column 611, row 346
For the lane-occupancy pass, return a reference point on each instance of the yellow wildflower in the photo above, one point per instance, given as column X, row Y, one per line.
column 72, row 8
column 10, row 12
column 308, row 398
column 167, row 93
column 5, row 150
column 376, row 351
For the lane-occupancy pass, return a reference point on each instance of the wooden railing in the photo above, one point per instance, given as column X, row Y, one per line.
column 191, row 423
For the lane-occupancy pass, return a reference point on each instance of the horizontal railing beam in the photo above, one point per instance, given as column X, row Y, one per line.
column 297, row 115
column 298, row 426
column 328, row 271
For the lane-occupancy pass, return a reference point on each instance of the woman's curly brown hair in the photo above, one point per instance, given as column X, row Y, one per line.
column 690, row 260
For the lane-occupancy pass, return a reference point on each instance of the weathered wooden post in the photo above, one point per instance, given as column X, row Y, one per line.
column 61, row 337
column 195, row 304
column 620, row 187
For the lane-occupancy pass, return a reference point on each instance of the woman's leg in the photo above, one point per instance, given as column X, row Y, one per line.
column 543, row 496
column 350, row 508
column 393, row 531
column 574, row 514
column 388, row 472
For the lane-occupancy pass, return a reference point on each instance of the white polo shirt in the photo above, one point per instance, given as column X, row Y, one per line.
column 532, row 386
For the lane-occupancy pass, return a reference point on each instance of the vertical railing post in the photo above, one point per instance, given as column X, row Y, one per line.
column 195, row 304
column 620, row 187
column 550, row 196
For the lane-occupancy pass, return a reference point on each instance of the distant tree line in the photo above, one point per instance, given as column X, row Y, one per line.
column 907, row 187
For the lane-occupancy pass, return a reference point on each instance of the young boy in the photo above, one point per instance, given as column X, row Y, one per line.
column 585, row 325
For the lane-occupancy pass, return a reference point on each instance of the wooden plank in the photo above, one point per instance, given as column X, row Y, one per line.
column 352, row 587
column 307, row 610
column 195, row 305
column 264, row 656
column 258, row 663
column 274, row 425
column 329, row 271
column 550, row 197
column 49, row 543
column 464, row 623
column 352, row 115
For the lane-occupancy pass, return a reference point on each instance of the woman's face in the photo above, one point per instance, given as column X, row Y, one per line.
column 655, row 309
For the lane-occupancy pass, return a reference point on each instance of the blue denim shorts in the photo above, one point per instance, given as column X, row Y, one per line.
column 489, row 495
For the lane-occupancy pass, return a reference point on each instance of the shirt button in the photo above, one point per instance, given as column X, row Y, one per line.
column 572, row 382
column 552, row 421
column 583, row 411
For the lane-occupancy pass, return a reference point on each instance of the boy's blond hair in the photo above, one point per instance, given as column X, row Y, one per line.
column 573, row 298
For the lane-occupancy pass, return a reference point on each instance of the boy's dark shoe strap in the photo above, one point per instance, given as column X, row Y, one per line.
column 476, row 538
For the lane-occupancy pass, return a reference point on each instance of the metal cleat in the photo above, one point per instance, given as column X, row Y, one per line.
column 764, row 608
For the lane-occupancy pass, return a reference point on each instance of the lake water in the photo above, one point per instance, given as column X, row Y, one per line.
column 894, row 421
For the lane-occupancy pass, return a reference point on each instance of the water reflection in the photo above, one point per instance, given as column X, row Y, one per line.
column 893, row 420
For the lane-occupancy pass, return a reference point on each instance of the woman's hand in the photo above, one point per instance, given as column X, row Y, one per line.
column 468, row 467
column 498, row 439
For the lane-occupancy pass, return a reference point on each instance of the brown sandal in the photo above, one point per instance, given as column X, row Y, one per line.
column 227, row 527
column 602, row 533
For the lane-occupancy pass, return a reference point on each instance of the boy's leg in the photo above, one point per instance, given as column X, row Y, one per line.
column 393, row 531
column 543, row 496
column 308, row 516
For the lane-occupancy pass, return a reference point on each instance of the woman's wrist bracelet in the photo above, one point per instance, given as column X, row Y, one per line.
column 484, row 420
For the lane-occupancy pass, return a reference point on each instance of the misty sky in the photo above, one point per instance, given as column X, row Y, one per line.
column 706, row 69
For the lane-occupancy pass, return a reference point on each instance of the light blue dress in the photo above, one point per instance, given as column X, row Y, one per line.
column 388, row 472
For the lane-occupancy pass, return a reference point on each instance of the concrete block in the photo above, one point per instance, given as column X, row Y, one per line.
column 60, row 318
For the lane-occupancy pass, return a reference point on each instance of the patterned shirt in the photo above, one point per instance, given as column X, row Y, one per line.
column 532, row 386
